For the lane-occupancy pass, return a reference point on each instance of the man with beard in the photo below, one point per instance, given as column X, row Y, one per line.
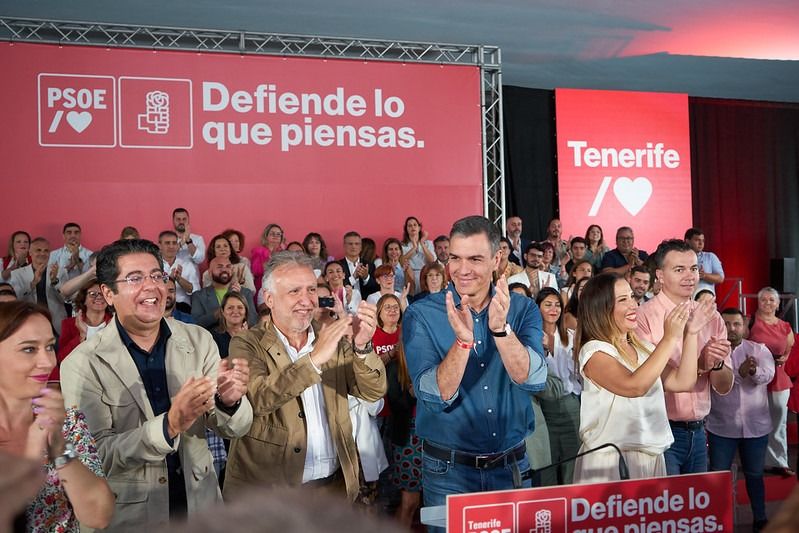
column 441, row 246
column 72, row 258
column 171, row 309
column 192, row 246
column 678, row 273
column 513, row 231
column 205, row 303
column 554, row 230
column 625, row 256
column 301, row 376
column 532, row 276
column 639, row 282
column 740, row 421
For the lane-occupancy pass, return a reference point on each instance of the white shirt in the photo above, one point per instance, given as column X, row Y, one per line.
column 375, row 296
column 561, row 364
column 199, row 251
column 353, row 277
column 321, row 460
column 189, row 273
column 63, row 256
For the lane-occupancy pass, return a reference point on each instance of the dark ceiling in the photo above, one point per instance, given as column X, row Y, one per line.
column 747, row 49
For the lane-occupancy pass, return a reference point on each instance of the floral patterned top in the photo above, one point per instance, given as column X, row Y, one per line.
column 51, row 511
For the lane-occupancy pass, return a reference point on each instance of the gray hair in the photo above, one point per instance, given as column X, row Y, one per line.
column 768, row 290
column 283, row 259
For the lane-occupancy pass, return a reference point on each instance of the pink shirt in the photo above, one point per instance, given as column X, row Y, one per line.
column 743, row 413
column 681, row 406
column 775, row 337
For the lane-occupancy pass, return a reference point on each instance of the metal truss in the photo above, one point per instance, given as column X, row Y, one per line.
column 245, row 42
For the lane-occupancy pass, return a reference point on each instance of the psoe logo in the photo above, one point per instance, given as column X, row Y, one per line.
column 542, row 516
column 155, row 113
column 77, row 110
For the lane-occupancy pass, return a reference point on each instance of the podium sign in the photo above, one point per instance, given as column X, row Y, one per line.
column 676, row 504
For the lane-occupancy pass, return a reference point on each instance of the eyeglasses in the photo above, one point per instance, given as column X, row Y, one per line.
column 137, row 279
column 391, row 308
column 275, row 233
column 95, row 295
column 387, row 276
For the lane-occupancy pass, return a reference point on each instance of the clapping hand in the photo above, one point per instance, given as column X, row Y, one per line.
column 499, row 306
column 231, row 383
column 461, row 319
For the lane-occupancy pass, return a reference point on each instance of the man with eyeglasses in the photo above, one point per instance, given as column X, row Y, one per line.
column 38, row 282
column 149, row 387
column 625, row 256
column 205, row 303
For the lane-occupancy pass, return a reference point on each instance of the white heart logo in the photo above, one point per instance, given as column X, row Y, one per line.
column 633, row 194
column 79, row 120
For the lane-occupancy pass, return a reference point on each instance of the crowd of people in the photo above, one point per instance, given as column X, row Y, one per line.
column 154, row 379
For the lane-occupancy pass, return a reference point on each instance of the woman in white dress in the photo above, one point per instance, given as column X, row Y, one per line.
column 624, row 379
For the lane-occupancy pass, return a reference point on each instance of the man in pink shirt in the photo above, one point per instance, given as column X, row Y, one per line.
column 678, row 273
column 740, row 421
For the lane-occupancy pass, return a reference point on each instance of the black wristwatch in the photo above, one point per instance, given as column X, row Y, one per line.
column 504, row 333
column 367, row 350
column 188, row 241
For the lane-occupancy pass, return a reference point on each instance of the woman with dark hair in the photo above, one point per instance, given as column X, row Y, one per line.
column 392, row 255
column 433, row 279
column 236, row 239
column 624, row 379
column 75, row 489
column 220, row 246
column 129, row 232
column 271, row 242
column 766, row 327
column 506, row 267
column 417, row 249
column 368, row 250
column 232, row 321
column 384, row 276
column 595, row 248
column 571, row 312
column 406, row 447
column 18, row 256
column 581, row 268
column 548, row 263
column 92, row 315
column 314, row 245
column 561, row 408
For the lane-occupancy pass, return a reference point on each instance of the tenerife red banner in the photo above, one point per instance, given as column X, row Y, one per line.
column 624, row 160
column 676, row 504
column 112, row 137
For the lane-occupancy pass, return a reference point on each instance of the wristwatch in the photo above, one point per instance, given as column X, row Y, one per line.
column 504, row 333
column 188, row 241
column 367, row 349
column 65, row 458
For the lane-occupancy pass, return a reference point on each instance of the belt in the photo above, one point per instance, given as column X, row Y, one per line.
column 481, row 462
column 687, row 425
column 321, row 482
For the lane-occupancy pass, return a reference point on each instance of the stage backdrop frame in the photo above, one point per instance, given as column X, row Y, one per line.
column 487, row 58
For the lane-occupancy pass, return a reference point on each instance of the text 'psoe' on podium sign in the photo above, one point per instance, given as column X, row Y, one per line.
column 675, row 504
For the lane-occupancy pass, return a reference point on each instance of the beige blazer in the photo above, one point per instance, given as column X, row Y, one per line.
column 273, row 451
column 100, row 378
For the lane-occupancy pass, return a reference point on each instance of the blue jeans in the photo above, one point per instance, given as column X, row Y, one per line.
column 688, row 453
column 753, row 462
column 440, row 478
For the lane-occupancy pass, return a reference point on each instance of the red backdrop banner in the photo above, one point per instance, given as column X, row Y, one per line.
column 695, row 502
column 112, row 137
column 624, row 160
